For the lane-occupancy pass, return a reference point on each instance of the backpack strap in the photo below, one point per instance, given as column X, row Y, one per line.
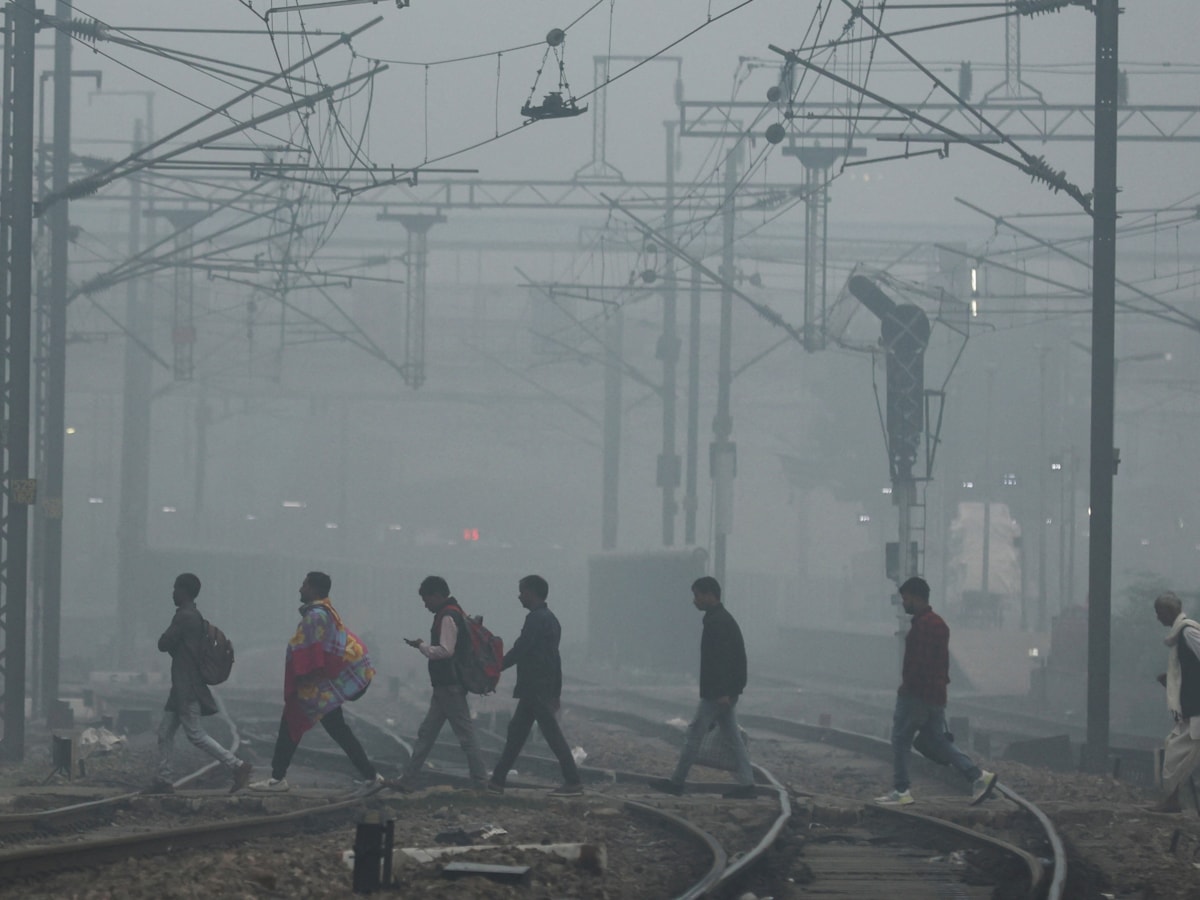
column 462, row 640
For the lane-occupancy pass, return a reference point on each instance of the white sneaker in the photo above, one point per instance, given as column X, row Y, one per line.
column 896, row 798
column 272, row 785
column 982, row 788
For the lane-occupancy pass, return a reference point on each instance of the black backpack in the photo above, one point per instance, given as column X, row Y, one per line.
column 215, row 660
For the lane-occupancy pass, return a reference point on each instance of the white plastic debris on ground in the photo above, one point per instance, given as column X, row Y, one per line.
column 100, row 740
column 587, row 856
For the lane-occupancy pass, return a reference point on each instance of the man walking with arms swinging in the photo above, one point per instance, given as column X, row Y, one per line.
column 538, row 688
column 190, row 696
column 920, row 716
column 722, row 680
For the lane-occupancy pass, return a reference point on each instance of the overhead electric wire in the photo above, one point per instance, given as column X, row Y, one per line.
column 1189, row 320
column 906, row 31
column 200, row 62
column 131, row 162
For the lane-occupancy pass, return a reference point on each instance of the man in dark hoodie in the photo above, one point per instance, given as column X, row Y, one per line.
column 722, row 680
column 538, row 688
column 190, row 697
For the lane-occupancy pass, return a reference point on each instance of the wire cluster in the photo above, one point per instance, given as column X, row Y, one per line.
column 1040, row 170
column 1037, row 7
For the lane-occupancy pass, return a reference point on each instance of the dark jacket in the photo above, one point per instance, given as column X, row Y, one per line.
column 722, row 656
column 1189, row 670
column 183, row 639
column 444, row 672
column 535, row 654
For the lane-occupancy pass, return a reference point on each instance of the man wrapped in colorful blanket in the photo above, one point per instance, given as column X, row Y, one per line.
column 326, row 666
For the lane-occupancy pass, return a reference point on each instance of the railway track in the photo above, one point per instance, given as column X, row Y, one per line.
column 904, row 840
column 321, row 809
column 85, row 823
column 733, row 844
column 92, row 813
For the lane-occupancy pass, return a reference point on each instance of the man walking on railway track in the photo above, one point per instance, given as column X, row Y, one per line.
column 326, row 666
column 722, row 680
column 448, row 643
column 538, row 689
column 920, row 716
column 1182, row 681
column 190, row 697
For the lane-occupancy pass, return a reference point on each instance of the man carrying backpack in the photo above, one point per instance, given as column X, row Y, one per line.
column 326, row 666
column 448, row 643
column 538, row 688
column 190, row 697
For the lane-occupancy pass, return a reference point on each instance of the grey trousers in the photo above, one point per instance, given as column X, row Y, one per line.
column 448, row 704
column 708, row 712
column 188, row 716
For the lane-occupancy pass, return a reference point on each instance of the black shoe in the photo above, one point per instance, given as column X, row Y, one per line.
column 241, row 776
column 399, row 785
column 741, row 792
column 493, row 788
column 667, row 786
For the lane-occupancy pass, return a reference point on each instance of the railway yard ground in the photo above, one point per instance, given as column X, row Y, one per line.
column 1116, row 847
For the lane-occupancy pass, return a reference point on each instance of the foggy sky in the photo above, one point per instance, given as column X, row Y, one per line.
column 535, row 470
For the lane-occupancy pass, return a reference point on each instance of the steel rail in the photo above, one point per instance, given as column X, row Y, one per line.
column 1058, row 881
column 62, row 816
column 72, row 814
column 768, row 840
column 41, row 860
column 875, row 747
column 1032, row 864
column 716, row 871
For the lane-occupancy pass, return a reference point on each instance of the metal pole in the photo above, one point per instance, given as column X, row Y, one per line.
column 41, row 361
column 984, row 582
column 56, row 380
column 668, row 352
column 723, row 452
column 16, row 264
column 1042, row 622
column 132, row 527
column 1072, row 515
column 203, row 419
column 613, row 377
column 1062, row 535
column 690, row 500
column 1103, row 456
column 416, row 265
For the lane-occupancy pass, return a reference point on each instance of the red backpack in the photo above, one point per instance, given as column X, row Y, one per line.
column 480, row 662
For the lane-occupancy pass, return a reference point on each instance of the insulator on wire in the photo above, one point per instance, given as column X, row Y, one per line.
column 90, row 30
column 1036, row 7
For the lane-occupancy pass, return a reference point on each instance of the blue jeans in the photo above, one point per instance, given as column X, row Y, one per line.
column 188, row 716
column 923, row 724
column 707, row 712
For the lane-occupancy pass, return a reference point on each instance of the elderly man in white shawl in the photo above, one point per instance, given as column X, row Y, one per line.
column 1182, row 681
